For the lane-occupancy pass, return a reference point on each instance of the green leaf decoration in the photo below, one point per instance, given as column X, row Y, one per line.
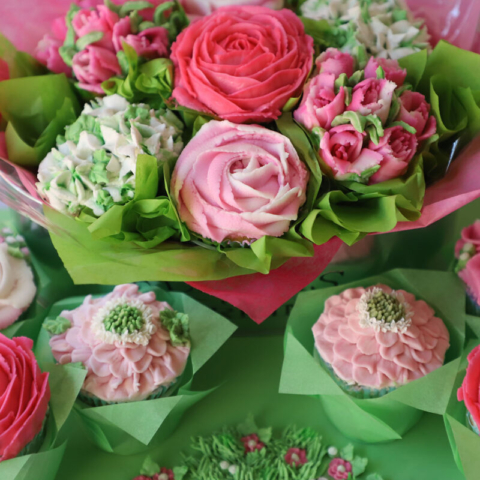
column 67, row 54
column 57, row 326
column 359, row 466
column 88, row 39
column 359, row 122
column 404, row 125
column 149, row 467
column 248, row 426
column 70, row 37
column 380, row 73
column 172, row 17
column 347, row 453
column 177, row 324
column 20, row 64
column 356, row 78
column 129, row 7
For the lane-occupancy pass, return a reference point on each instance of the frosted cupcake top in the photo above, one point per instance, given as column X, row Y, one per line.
column 380, row 338
column 130, row 343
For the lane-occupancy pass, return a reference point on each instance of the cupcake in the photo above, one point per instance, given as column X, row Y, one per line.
column 469, row 392
column 24, row 397
column 17, row 285
column 376, row 339
column 132, row 346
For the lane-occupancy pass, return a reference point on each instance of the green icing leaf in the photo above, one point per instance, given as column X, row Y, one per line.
column 149, row 467
column 247, row 427
column 179, row 472
column 57, row 326
column 347, row 452
column 374, row 476
column 88, row 39
column 380, row 73
column 406, row 126
column 84, row 123
column 177, row 324
column 359, row 122
column 129, row 7
column 359, row 465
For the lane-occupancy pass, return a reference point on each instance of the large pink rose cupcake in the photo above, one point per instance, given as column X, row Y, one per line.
column 242, row 63
column 377, row 339
column 133, row 346
column 469, row 392
column 24, row 397
column 238, row 183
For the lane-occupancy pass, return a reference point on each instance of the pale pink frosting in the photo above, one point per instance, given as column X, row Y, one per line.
column 379, row 360
column 119, row 372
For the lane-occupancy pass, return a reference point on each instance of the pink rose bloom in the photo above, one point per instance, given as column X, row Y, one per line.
column 102, row 19
column 242, row 63
column 206, row 7
column 119, row 372
column 24, row 396
column 149, row 43
column 320, row 105
column 373, row 96
column 93, row 66
column 471, row 235
column 339, row 469
column 296, row 457
column 252, row 443
column 238, row 182
column 471, row 277
column 469, row 392
column 342, row 149
column 336, row 62
column 397, row 148
column 415, row 111
column 392, row 69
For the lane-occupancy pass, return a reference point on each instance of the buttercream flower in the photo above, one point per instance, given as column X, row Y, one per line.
column 93, row 66
column 24, row 396
column 392, row 69
column 471, row 237
column 397, row 148
column 296, row 457
column 469, row 392
column 149, row 43
column 164, row 474
column 242, row 63
column 320, row 104
column 238, row 182
column 339, row 469
column 342, row 149
column 373, row 96
column 415, row 111
column 17, row 286
column 252, row 443
column 101, row 19
column 206, row 7
column 336, row 62
column 368, row 349
column 123, row 342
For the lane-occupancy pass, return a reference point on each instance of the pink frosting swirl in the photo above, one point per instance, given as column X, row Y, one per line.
column 362, row 356
column 119, row 372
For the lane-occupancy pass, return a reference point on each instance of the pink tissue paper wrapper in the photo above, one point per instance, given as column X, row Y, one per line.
column 260, row 295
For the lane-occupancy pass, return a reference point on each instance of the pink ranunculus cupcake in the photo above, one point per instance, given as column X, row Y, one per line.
column 469, row 392
column 376, row 339
column 24, row 397
column 133, row 346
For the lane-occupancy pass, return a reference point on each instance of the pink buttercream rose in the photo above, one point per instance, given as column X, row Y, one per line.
column 469, row 392
column 471, row 277
column 342, row 150
column 101, row 19
column 415, row 111
column 470, row 234
column 360, row 355
column 24, row 396
column 206, row 7
column 242, row 63
column 397, row 148
column 373, row 96
column 93, row 66
column 149, row 43
column 336, row 62
column 119, row 372
column 320, row 105
column 296, row 457
column 339, row 469
column 392, row 69
column 238, row 182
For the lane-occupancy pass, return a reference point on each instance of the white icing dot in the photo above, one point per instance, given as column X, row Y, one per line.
column 341, row 469
column 464, row 256
column 233, row 469
column 295, row 458
column 163, row 476
column 224, row 465
column 332, row 451
column 252, row 443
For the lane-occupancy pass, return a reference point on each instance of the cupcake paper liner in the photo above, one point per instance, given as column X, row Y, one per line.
column 390, row 416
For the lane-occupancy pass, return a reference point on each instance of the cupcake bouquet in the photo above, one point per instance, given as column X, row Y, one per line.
column 377, row 350
column 139, row 354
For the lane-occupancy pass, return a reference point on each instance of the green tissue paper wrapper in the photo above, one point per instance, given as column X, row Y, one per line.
column 464, row 442
column 389, row 417
column 132, row 427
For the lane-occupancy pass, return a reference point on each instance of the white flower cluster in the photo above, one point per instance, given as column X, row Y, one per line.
column 94, row 165
column 385, row 28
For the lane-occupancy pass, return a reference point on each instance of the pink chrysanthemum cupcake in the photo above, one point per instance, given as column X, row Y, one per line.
column 376, row 339
column 133, row 346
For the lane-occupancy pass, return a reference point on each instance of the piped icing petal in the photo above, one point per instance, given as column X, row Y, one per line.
column 383, row 352
column 120, row 370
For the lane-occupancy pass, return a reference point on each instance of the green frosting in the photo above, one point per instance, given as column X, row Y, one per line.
column 178, row 326
column 57, row 326
column 124, row 318
column 384, row 306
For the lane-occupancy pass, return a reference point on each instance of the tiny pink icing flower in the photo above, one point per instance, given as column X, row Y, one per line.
column 469, row 391
column 164, row 474
column 93, row 66
column 252, row 443
column 373, row 96
column 415, row 111
column 320, row 105
column 336, row 62
column 392, row 69
column 470, row 235
column 339, row 469
column 296, row 457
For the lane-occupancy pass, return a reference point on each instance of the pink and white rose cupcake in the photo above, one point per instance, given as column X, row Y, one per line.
column 133, row 346
column 376, row 339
